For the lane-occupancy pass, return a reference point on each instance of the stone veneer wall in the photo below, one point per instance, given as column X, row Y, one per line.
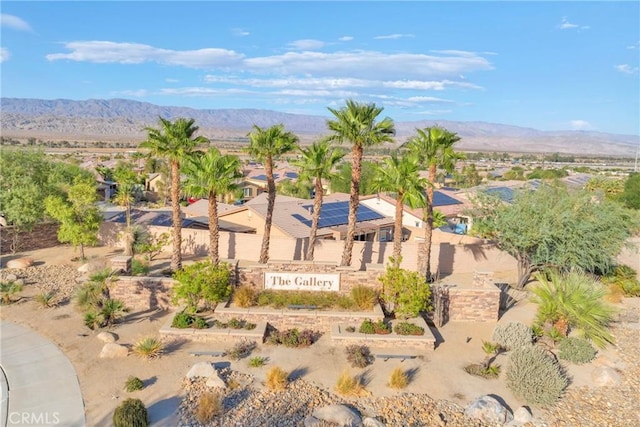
column 477, row 304
column 142, row 293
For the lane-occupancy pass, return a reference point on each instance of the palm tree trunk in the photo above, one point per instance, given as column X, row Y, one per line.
column 271, row 201
column 397, row 231
column 317, row 206
column 428, row 231
column 176, row 255
column 354, row 200
column 214, row 229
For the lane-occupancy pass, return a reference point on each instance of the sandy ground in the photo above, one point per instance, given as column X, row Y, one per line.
column 439, row 373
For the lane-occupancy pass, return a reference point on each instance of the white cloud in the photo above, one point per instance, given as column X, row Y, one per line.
column 136, row 53
column 202, row 91
column 427, row 99
column 4, row 54
column 170, row 80
column 13, row 22
column 433, row 112
column 394, row 36
column 626, row 68
column 634, row 46
column 306, row 44
column 566, row 25
column 345, row 38
column 580, row 125
column 240, row 32
column 140, row 93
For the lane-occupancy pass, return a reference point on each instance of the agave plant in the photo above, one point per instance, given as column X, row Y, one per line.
column 111, row 311
column 573, row 301
column 8, row 290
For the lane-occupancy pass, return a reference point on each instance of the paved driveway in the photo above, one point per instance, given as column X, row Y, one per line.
column 38, row 386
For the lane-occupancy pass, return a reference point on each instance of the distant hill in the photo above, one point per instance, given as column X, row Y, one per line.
column 123, row 119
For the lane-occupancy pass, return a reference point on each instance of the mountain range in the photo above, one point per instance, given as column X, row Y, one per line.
column 123, row 119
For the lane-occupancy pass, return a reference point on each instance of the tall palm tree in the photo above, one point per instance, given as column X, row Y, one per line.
column 267, row 145
column 400, row 175
column 434, row 148
column 175, row 141
column 318, row 163
column 356, row 124
column 211, row 175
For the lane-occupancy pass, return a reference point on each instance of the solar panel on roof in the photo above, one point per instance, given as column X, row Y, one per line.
column 441, row 199
column 337, row 213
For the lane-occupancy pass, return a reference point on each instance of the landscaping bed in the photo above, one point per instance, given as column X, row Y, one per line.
column 340, row 334
column 220, row 330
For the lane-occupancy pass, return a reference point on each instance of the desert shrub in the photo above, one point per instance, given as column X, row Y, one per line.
column 89, row 294
column 148, row 348
column 235, row 323
column 367, row 327
column 490, row 348
column 576, row 350
column 381, row 328
column 209, row 405
column 8, row 290
column 350, row 329
column 480, row 370
column 406, row 328
column 202, row 281
column 624, row 279
column 293, row 337
column 131, row 413
column 398, row 379
column 406, row 291
column 133, row 384
column 364, row 297
column 257, row 361
column 358, row 355
column 184, row 320
column 240, row 349
column 348, row 385
column 535, row 376
column 321, row 300
column 47, row 299
column 92, row 320
column 277, row 379
column 139, row 268
column 111, row 310
column 244, row 296
column 512, row 335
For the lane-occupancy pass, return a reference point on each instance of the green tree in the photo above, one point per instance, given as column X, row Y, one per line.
column 357, row 125
column 174, row 141
column 78, row 215
column 297, row 188
column 400, row 175
column 202, row 281
column 405, row 292
column 211, row 175
column 555, row 227
column 267, row 145
column 341, row 181
column 317, row 164
column 630, row 195
column 434, row 148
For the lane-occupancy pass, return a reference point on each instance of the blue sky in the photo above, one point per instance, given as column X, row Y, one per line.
column 545, row 65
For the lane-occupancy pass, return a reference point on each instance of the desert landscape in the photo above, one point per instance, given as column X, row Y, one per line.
column 437, row 394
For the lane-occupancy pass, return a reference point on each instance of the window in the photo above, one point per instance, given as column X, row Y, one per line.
column 248, row 192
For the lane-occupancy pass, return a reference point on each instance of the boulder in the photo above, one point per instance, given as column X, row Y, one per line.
column 338, row 414
column 20, row 263
column 372, row 422
column 215, row 381
column 605, row 376
column 489, row 410
column 107, row 337
column 202, row 369
column 113, row 350
column 522, row 415
column 10, row 278
column 312, row 422
column 94, row 265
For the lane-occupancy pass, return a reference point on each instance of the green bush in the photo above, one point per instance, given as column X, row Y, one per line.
column 381, row 328
column 139, row 268
column 535, row 376
column 406, row 291
column 367, row 327
column 293, row 338
column 624, row 278
column 406, row 328
column 358, row 355
column 576, row 350
column 131, row 413
column 184, row 320
column 202, row 281
column 257, row 361
column 8, row 290
column 364, row 297
column 512, row 335
column 133, row 384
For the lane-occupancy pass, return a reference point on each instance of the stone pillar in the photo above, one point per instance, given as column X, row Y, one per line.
column 121, row 264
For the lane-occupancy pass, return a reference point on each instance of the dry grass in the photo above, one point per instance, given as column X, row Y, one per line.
column 348, row 385
column 398, row 379
column 209, row 405
column 148, row 348
column 277, row 379
column 244, row 296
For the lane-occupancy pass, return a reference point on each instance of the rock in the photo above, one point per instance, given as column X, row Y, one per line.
column 489, row 410
column 215, row 381
column 113, row 350
column 372, row 422
column 312, row 422
column 338, row 414
column 20, row 263
column 107, row 337
column 202, row 369
column 19, row 282
column 605, row 376
column 522, row 415
column 84, row 268
column 10, row 278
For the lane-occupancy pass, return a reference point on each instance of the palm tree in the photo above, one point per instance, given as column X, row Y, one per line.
column 317, row 164
column 174, row 141
column 267, row 145
column 434, row 148
column 356, row 124
column 210, row 175
column 400, row 175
